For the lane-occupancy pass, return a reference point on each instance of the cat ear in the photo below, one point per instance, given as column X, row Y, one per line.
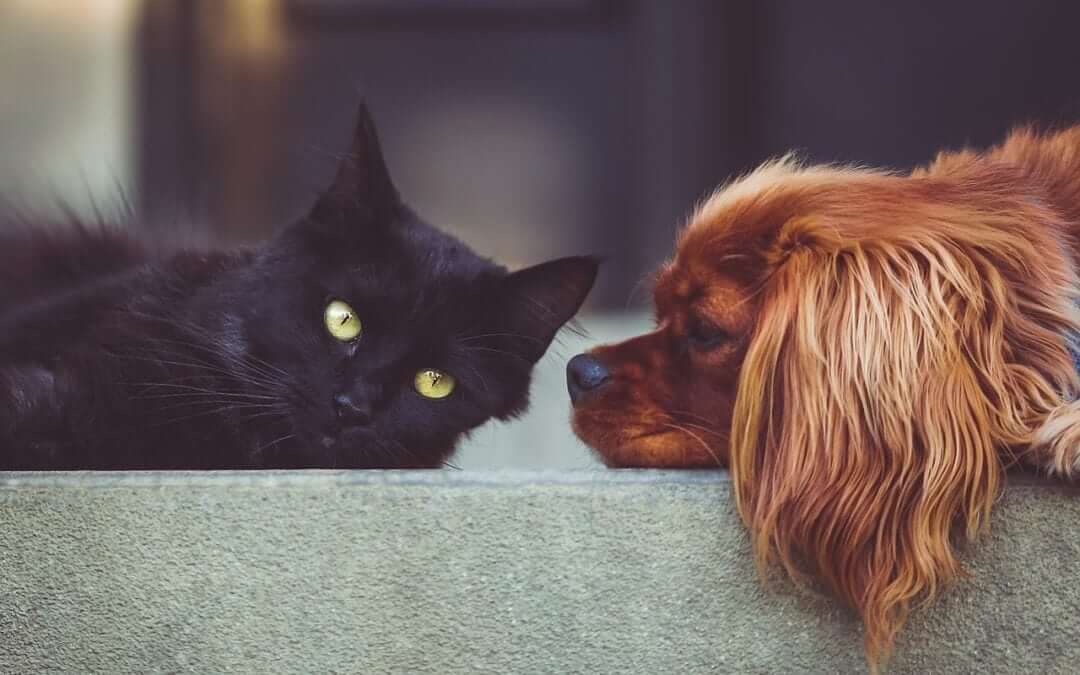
column 362, row 194
column 538, row 300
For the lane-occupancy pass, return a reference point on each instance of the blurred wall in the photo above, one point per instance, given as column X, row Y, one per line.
column 530, row 128
column 537, row 128
column 65, row 103
column 892, row 82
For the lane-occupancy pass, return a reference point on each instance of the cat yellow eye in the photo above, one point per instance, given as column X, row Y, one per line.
column 431, row 383
column 341, row 321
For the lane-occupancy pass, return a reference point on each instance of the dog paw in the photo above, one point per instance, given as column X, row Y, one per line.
column 1057, row 442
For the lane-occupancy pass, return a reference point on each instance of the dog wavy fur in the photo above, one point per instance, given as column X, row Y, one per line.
column 878, row 349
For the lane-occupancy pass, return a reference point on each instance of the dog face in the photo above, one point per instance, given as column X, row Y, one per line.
column 667, row 398
column 866, row 352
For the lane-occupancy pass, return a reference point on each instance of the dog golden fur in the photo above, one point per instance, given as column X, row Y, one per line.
column 867, row 352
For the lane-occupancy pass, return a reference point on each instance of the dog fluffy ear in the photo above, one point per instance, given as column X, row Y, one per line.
column 880, row 384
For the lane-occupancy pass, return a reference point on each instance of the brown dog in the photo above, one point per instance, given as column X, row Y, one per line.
column 867, row 352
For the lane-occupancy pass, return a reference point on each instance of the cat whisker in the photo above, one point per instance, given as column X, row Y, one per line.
column 184, row 418
column 221, row 404
column 200, row 390
column 500, row 351
column 250, row 361
column 575, row 327
column 190, row 360
column 480, row 377
column 206, row 379
column 276, row 412
column 517, row 336
column 401, row 448
column 267, row 446
column 243, row 363
column 197, row 365
column 202, row 395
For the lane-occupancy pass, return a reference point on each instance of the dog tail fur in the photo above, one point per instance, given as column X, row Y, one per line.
column 1052, row 161
column 1049, row 161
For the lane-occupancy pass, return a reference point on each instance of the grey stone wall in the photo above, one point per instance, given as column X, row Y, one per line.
column 460, row 572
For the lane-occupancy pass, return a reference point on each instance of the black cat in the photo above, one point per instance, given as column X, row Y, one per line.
column 358, row 337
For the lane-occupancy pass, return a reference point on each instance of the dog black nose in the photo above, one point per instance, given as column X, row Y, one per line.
column 583, row 374
column 351, row 412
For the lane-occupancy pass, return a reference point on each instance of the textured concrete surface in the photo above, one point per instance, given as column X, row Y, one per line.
column 461, row 572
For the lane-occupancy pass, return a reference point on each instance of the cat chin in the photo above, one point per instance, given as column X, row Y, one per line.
column 357, row 448
column 365, row 448
column 349, row 441
column 324, row 443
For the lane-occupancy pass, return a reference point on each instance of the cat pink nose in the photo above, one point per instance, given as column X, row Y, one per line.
column 351, row 412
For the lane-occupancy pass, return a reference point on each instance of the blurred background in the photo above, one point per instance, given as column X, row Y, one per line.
column 528, row 128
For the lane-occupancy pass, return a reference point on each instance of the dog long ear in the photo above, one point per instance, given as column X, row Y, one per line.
column 880, row 384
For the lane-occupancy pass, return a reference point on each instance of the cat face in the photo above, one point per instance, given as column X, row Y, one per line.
column 388, row 339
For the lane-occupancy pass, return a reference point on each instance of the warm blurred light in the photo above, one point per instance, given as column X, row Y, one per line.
column 254, row 28
column 83, row 15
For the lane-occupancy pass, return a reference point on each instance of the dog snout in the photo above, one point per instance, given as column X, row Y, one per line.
column 585, row 373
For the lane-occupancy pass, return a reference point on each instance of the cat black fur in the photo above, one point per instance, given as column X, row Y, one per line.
column 119, row 354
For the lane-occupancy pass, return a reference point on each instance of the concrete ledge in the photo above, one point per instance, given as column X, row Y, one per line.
column 445, row 572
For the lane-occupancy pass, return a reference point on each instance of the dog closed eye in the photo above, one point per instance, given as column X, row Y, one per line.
column 704, row 335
